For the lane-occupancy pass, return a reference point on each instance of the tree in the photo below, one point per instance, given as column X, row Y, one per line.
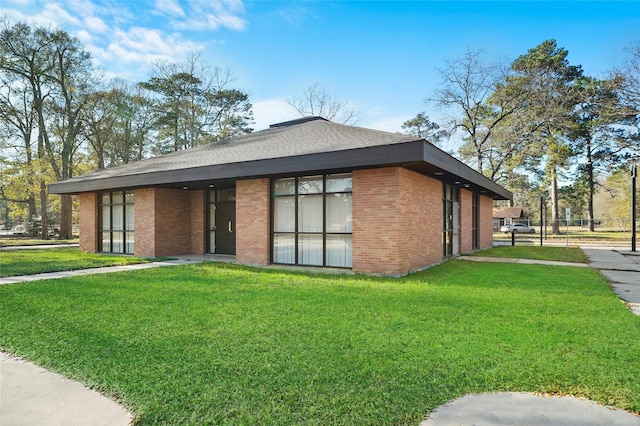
column 466, row 87
column 595, row 132
column 118, row 121
column 24, row 61
column 317, row 102
column 194, row 105
column 18, row 128
column 57, row 73
column 630, row 99
column 72, row 81
column 545, row 75
column 420, row 126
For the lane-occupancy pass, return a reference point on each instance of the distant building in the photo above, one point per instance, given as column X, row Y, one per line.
column 506, row 216
column 305, row 192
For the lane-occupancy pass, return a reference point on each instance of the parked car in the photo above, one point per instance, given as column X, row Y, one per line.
column 517, row 228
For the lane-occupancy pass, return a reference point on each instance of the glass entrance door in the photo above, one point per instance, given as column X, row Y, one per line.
column 222, row 221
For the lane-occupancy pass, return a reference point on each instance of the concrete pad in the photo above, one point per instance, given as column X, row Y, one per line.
column 521, row 261
column 103, row 270
column 512, row 408
column 628, row 266
column 627, row 292
column 605, row 256
column 30, row 395
column 622, row 277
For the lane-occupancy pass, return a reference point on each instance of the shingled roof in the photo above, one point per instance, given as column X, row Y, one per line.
column 300, row 146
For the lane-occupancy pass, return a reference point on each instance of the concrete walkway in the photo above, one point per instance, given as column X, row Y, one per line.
column 510, row 408
column 30, row 395
column 91, row 271
column 622, row 269
column 521, row 261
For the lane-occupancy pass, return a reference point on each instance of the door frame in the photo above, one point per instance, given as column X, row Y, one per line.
column 211, row 216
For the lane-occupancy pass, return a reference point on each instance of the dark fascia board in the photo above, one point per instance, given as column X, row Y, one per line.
column 464, row 173
column 348, row 159
column 371, row 157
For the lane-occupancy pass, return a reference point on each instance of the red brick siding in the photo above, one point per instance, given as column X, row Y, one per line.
column 198, row 222
column 173, row 227
column 252, row 221
column 466, row 221
column 486, row 222
column 145, row 222
column 163, row 225
column 397, row 221
column 88, row 222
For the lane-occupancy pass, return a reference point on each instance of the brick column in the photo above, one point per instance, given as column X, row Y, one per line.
column 89, row 222
column 485, row 227
column 253, row 214
column 466, row 221
column 198, row 219
column 145, row 222
column 397, row 221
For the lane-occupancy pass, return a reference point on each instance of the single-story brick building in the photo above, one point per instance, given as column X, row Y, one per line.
column 303, row 192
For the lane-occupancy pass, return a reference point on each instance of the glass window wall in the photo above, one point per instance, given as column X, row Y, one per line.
column 117, row 222
column 312, row 220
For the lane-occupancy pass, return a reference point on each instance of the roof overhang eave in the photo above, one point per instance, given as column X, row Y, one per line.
column 419, row 152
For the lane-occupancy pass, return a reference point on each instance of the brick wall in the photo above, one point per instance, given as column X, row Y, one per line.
column 466, row 221
column 486, row 222
column 163, row 222
column 145, row 222
column 173, row 225
column 397, row 221
column 88, row 222
column 252, row 221
column 198, row 222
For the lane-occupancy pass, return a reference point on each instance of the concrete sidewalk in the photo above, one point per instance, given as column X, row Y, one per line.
column 30, row 395
column 511, row 408
column 91, row 271
column 521, row 261
column 622, row 269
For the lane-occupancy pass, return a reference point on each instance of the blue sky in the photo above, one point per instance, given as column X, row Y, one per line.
column 382, row 57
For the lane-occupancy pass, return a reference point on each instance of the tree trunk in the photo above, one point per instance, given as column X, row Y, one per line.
column 44, row 214
column 65, row 217
column 591, row 186
column 31, row 203
column 555, row 224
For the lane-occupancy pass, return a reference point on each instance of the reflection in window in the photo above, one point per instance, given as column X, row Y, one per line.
column 312, row 220
column 117, row 222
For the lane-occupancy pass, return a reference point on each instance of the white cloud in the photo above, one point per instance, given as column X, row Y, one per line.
column 143, row 45
column 271, row 111
column 22, row 3
column 55, row 12
column 169, row 7
column 85, row 37
column 203, row 15
column 95, row 24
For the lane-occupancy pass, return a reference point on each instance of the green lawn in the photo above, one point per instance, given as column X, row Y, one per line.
column 36, row 261
column 224, row 344
column 560, row 254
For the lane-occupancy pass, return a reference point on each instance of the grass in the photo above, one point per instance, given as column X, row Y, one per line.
column 36, row 261
column 560, row 254
column 224, row 344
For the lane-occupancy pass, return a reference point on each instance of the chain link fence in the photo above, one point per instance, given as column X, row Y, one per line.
column 617, row 231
